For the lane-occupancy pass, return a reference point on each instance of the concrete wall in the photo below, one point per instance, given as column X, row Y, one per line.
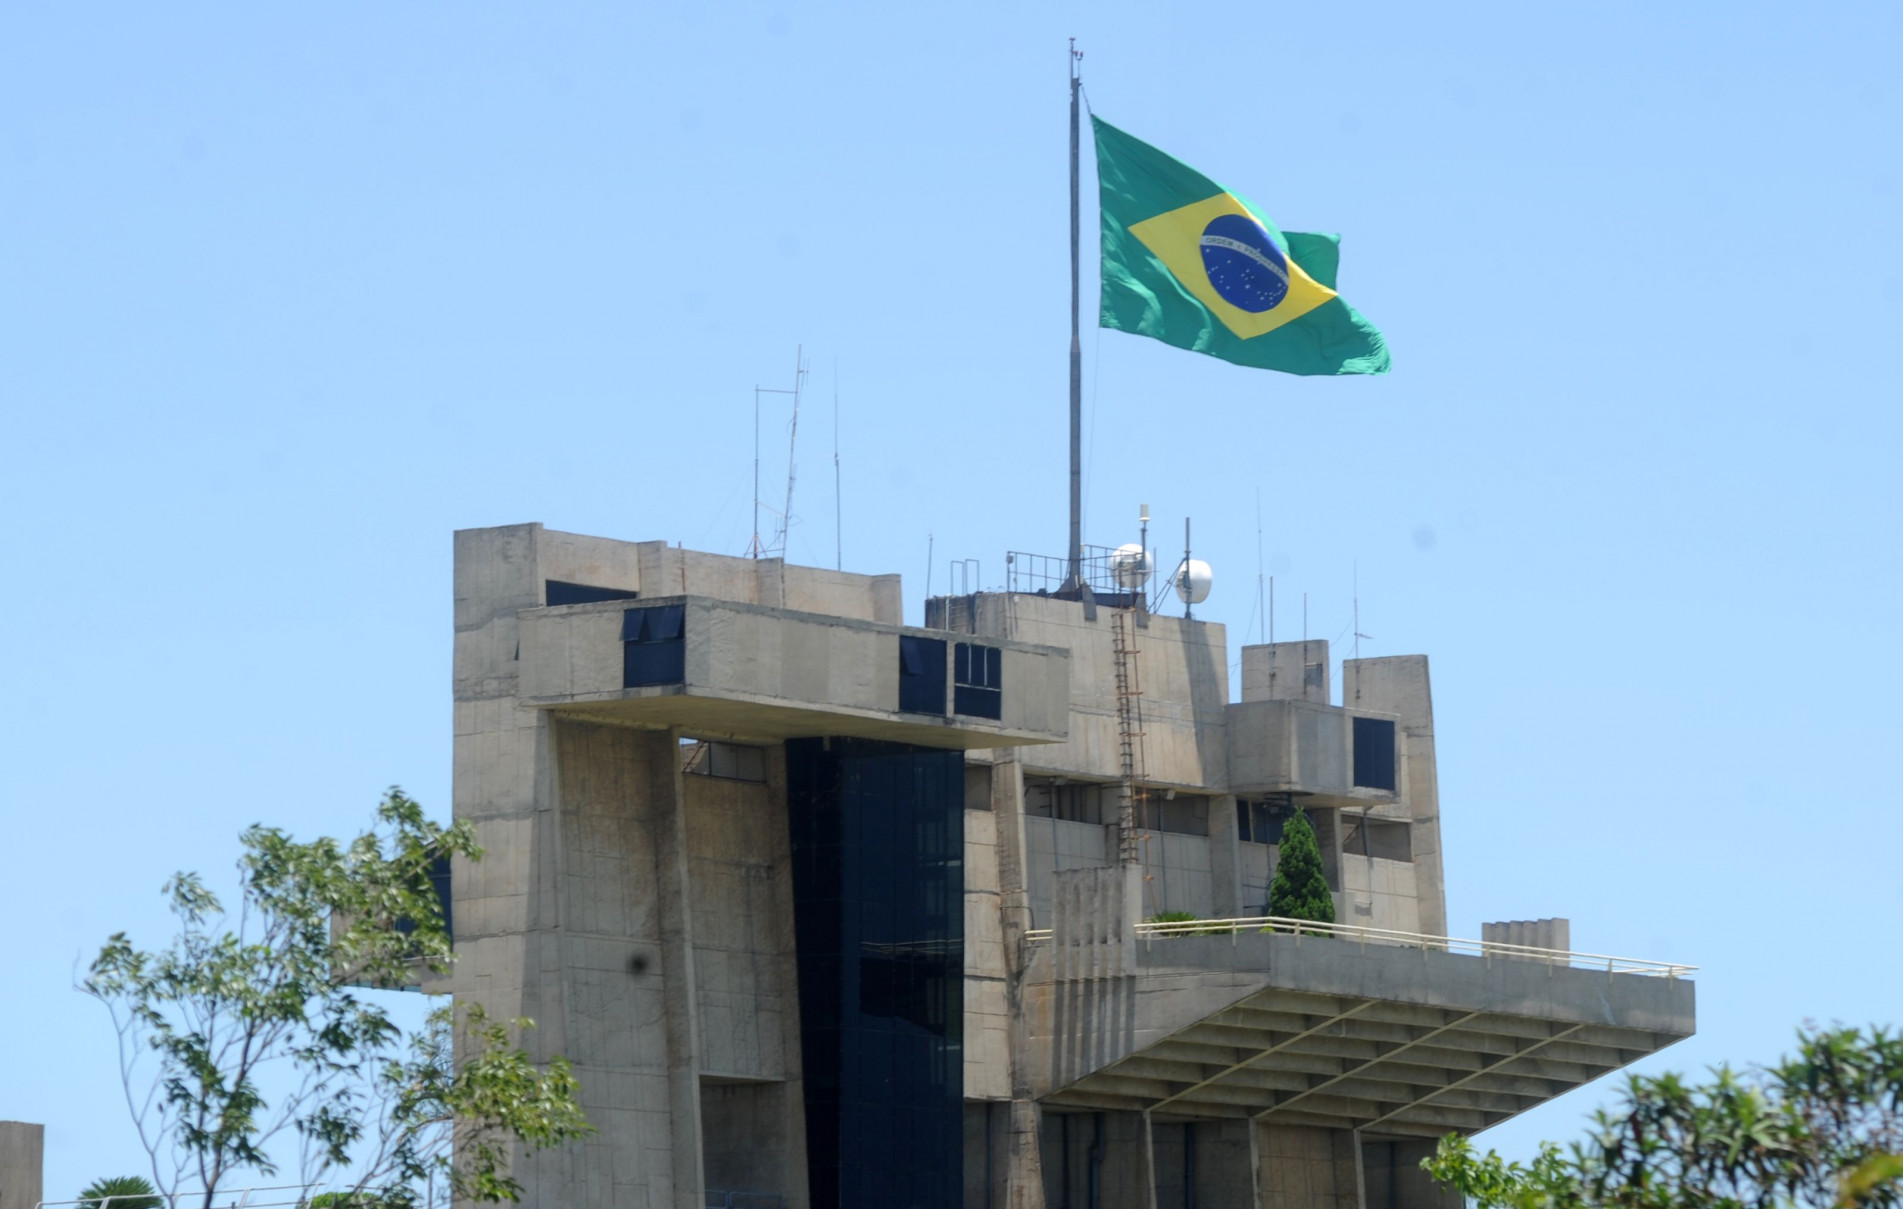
column 1379, row 893
column 767, row 656
column 1202, row 1164
column 1184, row 673
column 1286, row 671
column 1296, row 747
column 1399, row 686
column 22, row 1164
column 1308, row 1168
column 1392, row 1177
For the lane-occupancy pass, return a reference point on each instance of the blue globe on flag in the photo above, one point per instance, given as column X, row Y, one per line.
column 1246, row 268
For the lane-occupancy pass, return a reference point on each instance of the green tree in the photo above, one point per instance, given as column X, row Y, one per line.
column 1300, row 888
column 252, row 1029
column 1823, row 1127
column 120, row 1192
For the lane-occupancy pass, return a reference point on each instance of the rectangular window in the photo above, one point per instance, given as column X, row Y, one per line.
column 652, row 649
column 921, row 674
column 733, row 761
column 559, row 592
column 978, row 680
column 1261, row 822
column 1384, row 839
column 1374, row 754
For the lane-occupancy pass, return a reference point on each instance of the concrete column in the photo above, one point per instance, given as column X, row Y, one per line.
column 1023, row 1170
column 1307, row 1167
column 679, row 993
column 1126, row 1168
column 1399, row 685
column 1393, row 1178
column 22, row 1164
column 1225, row 858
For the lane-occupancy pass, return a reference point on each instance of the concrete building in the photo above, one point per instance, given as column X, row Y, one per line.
column 828, row 910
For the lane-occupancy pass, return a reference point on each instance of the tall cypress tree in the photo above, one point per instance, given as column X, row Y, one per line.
column 1300, row 889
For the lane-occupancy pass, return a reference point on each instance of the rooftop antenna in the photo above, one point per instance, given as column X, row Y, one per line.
column 1193, row 579
column 839, row 557
column 1357, row 613
column 757, row 548
column 1261, row 609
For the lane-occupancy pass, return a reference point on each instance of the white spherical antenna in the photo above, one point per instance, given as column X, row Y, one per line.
column 1131, row 565
column 1193, row 581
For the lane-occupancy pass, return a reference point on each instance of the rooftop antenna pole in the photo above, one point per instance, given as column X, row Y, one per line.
column 792, row 442
column 1261, row 610
column 839, row 557
column 1189, row 610
column 1076, row 346
column 753, row 547
column 1358, row 634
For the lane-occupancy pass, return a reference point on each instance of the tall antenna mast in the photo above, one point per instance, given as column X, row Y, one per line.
column 792, row 443
column 1261, row 609
column 757, row 548
column 839, row 557
column 1357, row 622
column 1076, row 573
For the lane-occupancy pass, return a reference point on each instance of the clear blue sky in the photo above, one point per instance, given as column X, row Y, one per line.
column 286, row 297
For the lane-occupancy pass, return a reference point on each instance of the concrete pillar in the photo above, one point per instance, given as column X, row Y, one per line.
column 1023, row 1171
column 1399, row 685
column 1225, row 858
column 1307, row 1167
column 680, row 996
column 22, row 1164
column 1126, row 1168
column 1393, row 1177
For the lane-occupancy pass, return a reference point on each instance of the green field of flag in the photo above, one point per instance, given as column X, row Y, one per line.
column 1192, row 264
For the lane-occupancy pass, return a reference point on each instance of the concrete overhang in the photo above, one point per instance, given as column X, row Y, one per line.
column 1299, row 747
column 1290, row 1030
column 750, row 672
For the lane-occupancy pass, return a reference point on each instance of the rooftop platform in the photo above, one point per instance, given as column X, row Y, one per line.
column 1348, row 1033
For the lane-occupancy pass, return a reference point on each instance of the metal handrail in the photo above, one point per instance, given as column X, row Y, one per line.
column 300, row 1196
column 1149, row 931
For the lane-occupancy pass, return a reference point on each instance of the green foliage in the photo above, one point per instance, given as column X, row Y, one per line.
column 124, row 1191
column 1211, row 928
column 267, row 996
column 1824, row 1127
column 1300, row 888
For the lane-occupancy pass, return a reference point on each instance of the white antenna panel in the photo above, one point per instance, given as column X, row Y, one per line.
column 1193, row 581
column 1132, row 565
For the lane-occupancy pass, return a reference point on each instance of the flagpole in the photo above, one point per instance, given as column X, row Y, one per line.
column 1076, row 575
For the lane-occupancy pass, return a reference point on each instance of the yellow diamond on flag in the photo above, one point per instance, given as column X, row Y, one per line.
column 1218, row 252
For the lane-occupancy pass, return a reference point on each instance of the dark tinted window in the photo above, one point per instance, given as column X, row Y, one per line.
column 977, row 680
column 878, row 920
column 1374, row 753
column 558, row 592
column 652, row 650
column 921, row 674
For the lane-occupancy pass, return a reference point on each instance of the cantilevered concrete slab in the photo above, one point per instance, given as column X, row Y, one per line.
column 753, row 672
column 1392, row 1041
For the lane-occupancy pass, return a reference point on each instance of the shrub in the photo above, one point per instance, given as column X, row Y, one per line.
column 121, row 1192
column 1300, row 889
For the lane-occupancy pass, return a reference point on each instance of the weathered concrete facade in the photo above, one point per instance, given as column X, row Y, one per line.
column 719, row 821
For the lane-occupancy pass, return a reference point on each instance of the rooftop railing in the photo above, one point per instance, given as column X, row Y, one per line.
column 1149, row 932
column 276, row 1196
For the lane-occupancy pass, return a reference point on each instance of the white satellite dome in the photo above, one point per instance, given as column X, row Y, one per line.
column 1193, row 580
column 1132, row 565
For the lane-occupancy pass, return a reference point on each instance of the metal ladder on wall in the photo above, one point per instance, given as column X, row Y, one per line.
column 1131, row 840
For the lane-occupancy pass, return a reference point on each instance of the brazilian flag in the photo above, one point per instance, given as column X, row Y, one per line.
column 1189, row 263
